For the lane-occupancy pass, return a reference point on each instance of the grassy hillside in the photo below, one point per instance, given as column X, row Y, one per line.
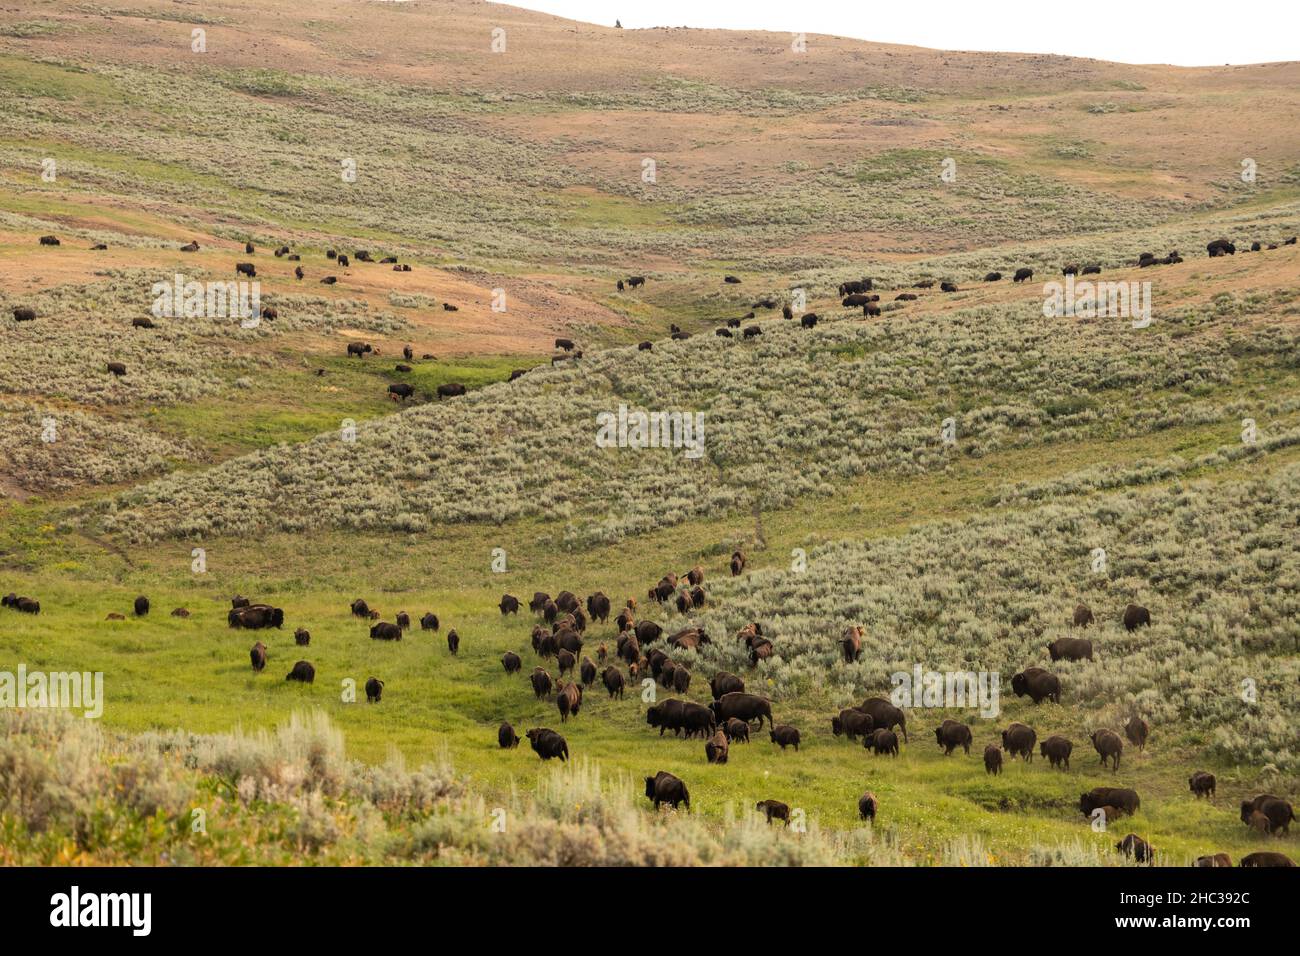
column 515, row 180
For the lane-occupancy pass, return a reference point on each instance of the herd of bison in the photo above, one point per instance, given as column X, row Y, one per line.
column 643, row 649
column 561, row 634
column 855, row 293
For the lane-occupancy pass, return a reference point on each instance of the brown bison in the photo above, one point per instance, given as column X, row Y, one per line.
column 374, row 690
column 952, row 734
column 1121, row 798
column 511, row 662
column 302, row 637
column 737, row 563
column 1136, row 616
column 1037, row 684
column 1217, row 859
column 1202, row 784
column 1082, row 615
column 852, row 723
column 851, row 644
column 886, row 715
column 785, row 736
column 450, row 390
column 1070, row 649
column 774, row 810
column 882, row 742
column 1057, row 750
column 736, row 730
column 1108, row 746
column 667, row 788
column 568, row 701
column 716, row 748
column 867, row 806
column 1136, row 730
column 384, row 631
column 547, row 744
column 1279, row 811
column 747, row 707
column 613, row 681
column 302, row 672
column 258, row 656
column 506, row 736
column 1136, row 847
column 429, row 622
column 1018, row 740
column 541, row 682
column 1266, row 858
column 993, row 759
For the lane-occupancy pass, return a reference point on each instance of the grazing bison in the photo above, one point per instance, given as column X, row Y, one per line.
column 952, row 734
column 359, row 349
column 851, row 644
column 1037, row 684
column 117, row 368
column 1108, row 747
column 54, row 241
column 141, row 606
column 1018, row 740
column 180, row 612
column 329, row 280
column 906, row 297
column 256, row 616
column 507, row 739
column 884, row 714
column 993, row 759
column 612, row 678
column 1217, row 859
column 1266, row 858
column 23, row 314
column 547, row 744
column 1136, row 616
column 374, row 690
column 1220, row 247
column 785, row 736
column 852, row 723
column 724, row 682
column 751, row 331
column 566, row 344
column 383, row 631
column 302, row 672
column 1259, row 823
column 1136, row 730
column 302, row 637
column 258, row 656
column 1092, row 270
column 429, row 622
column 541, row 682
column 511, row 662
column 509, row 604
column 1022, row 275
column 1121, row 798
column 1278, row 811
column 947, row 287
column 517, row 373
column 450, row 390
column 1082, row 615
column 635, row 282
column 852, row 301
column 774, row 810
column 736, row 730
column 645, row 346
column 188, row 247
column 668, row 788
column 737, row 563
column 1057, row 750
column 1070, row 270
column 1070, row 649
column 867, row 806
column 993, row 277
column 1202, row 784
column 568, row 700
column 716, row 748
column 1136, row 847
column 808, row 321
column 647, row 632
column 882, row 742
column 246, row 269
column 142, row 323
column 400, row 391
column 747, row 707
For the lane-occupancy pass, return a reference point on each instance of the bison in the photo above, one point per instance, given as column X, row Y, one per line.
column 450, row 390
column 374, row 690
column 716, row 748
column 1070, row 649
column 993, row 759
column 1019, row 739
column 509, row 604
column 725, row 682
column 852, row 723
column 867, row 806
column 1023, row 275
column 665, row 787
column 547, row 744
column 1136, row 730
column 747, row 707
column 1202, row 784
column 511, row 662
column 950, row 735
column 1037, row 684
column 302, row 672
column 541, row 682
column 1108, row 746
column 1136, row 847
column 1057, row 750
column 1122, row 798
column 507, row 739
column 785, row 736
column 882, row 742
column 774, row 810
column 851, row 644
column 736, row 730
column 1082, row 615
column 383, row 631
column 613, row 681
column 884, row 714
column 1136, row 616
column 258, row 656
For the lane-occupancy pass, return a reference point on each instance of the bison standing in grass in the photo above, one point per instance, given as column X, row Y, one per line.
column 867, row 806
column 884, row 714
column 258, row 656
column 1019, row 739
column 952, row 734
column 1108, row 746
column 302, row 672
column 1202, row 784
column 1037, row 684
column 547, row 744
column 1136, row 616
column 993, row 759
column 665, row 787
column 507, row 739
column 1057, row 750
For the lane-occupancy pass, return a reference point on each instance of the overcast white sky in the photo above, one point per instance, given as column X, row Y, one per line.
column 1182, row 32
